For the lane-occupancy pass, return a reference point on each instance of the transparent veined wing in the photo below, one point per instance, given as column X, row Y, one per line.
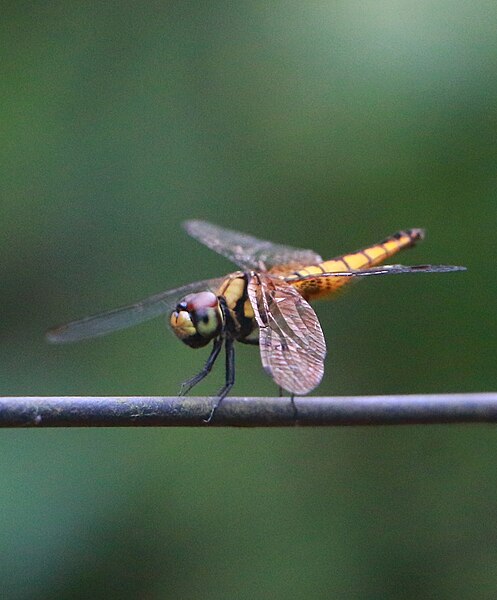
column 381, row 270
column 247, row 251
column 126, row 316
column 291, row 340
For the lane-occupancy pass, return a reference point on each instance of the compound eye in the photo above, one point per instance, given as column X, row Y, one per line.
column 206, row 313
column 200, row 301
column 197, row 319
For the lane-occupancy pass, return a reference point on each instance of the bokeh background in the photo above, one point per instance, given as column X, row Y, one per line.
column 322, row 124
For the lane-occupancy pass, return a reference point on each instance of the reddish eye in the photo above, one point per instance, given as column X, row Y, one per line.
column 199, row 301
column 197, row 319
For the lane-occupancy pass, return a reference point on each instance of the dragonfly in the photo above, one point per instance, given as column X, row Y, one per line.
column 265, row 303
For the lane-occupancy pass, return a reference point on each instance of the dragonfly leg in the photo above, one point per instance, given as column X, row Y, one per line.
column 294, row 407
column 292, row 401
column 216, row 349
column 230, row 376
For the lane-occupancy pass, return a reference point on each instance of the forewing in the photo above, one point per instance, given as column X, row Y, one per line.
column 384, row 270
column 246, row 251
column 291, row 340
column 126, row 316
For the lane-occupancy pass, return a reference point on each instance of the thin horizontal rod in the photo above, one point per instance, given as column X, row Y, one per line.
column 156, row 411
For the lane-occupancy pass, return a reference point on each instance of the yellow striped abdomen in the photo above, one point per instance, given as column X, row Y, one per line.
column 320, row 287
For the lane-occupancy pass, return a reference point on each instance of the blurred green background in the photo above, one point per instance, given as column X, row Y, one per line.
column 321, row 124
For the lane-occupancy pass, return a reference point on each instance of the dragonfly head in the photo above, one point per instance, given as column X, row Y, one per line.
column 197, row 319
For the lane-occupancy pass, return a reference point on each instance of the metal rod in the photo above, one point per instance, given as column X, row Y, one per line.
column 156, row 411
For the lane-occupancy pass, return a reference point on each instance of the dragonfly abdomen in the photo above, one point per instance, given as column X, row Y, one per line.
column 321, row 286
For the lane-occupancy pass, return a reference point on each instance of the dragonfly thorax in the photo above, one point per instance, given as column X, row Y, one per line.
column 197, row 319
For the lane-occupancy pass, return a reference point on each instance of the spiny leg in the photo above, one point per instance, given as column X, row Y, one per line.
column 216, row 349
column 230, row 376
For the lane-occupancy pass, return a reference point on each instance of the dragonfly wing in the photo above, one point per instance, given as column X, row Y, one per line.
column 246, row 251
column 383, row 270
column 126, row 316
column 291, row 340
